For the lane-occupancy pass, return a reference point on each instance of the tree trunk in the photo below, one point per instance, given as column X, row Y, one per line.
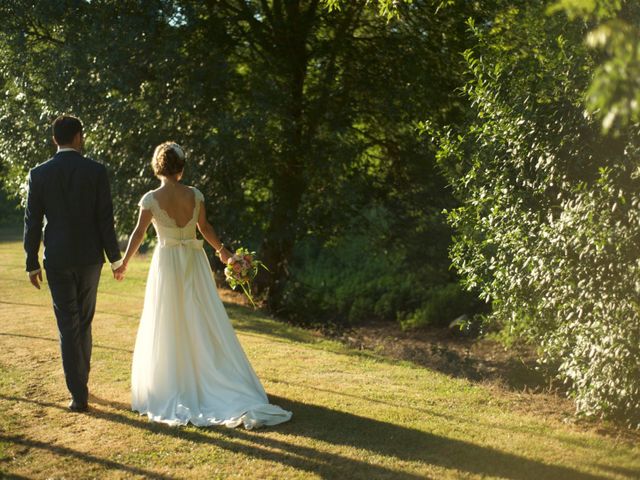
column 289, row 181
column 280, row 239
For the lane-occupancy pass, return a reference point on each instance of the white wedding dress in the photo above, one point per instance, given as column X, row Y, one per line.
column 188, row 365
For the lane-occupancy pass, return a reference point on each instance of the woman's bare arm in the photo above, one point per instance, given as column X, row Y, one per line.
column 144, row 219
column 210, row 235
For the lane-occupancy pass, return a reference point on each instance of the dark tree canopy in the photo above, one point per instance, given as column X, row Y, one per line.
column 299, row 122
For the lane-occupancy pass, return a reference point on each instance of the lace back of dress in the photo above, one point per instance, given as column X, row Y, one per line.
column 164, row 224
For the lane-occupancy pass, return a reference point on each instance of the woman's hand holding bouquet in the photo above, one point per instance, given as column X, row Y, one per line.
column 241, row 269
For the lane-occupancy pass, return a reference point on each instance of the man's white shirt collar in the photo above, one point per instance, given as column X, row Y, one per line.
column 67, row 149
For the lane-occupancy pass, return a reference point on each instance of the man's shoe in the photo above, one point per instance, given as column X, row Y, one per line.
column 78, row 407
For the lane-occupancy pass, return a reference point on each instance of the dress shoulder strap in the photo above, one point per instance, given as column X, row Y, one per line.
column 146, row 201
column 198, row 194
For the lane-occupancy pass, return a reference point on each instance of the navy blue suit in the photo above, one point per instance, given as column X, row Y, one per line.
column 72, row 193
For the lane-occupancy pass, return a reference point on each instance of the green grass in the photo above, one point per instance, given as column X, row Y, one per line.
column 355, row 414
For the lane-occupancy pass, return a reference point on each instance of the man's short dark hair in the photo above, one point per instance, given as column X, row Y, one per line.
column 65, row 127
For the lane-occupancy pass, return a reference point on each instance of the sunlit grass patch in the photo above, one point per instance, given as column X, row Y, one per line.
column 356, row 414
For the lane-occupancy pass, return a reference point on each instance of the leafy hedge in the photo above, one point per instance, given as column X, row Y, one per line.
column 549, row 226
column 353, row 277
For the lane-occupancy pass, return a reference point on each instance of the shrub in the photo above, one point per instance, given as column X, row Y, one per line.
column 354, row 278
column 549, row 222
column 443, row 304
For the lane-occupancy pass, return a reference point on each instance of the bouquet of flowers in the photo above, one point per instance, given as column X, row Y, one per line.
column 241, row 269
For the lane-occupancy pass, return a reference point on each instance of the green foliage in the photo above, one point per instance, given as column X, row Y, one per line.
column 587, row 8
column 548, row 224
column 9, row 213
column 445, row 303
column 614, row 94
column 385, row 8
column 350, row 282
column 294, row 118
column 353, row 278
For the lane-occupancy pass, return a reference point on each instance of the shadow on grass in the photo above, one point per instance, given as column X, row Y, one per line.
column 85, row 457
column 55, row 340
column 512, row 373
column 335, row 428
column 253, row 323
column 625, row 435
column 624, row 472
column 247, row 320
column 50, row 308
column 11, row 476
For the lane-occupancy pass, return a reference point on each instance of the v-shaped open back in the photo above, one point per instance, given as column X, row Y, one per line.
column 163, row 221
column 170, row 218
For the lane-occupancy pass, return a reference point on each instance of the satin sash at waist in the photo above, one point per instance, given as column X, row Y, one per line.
column 194, row 243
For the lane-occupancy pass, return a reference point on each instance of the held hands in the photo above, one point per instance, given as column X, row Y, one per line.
column 119, row 272
column 36, row 279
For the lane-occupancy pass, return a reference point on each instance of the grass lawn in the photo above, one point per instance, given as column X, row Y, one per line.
column 355, row 414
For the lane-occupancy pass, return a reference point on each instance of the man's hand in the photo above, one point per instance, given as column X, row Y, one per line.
column 36, row 278
column 118, row 273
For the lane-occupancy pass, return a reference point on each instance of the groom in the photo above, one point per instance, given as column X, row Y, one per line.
column 70, row 194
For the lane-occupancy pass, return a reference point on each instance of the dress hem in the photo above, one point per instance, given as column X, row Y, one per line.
column 251, row 418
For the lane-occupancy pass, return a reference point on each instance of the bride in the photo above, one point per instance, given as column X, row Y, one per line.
column 188, row 365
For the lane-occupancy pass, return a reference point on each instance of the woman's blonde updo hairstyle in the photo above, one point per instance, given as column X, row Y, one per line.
column 168, row 159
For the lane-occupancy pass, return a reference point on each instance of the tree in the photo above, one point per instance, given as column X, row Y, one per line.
column 299, row 122
column 548, row 223
column 614, row 93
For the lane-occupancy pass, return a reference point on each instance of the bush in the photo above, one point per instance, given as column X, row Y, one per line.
column 443, row 304
column 355, row 278
column 549, row 221
column 10, row 211
column 348, row 282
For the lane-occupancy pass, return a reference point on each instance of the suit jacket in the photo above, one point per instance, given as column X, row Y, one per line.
column 72, row 193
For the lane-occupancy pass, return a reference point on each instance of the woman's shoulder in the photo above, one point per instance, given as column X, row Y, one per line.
column 198, row 193
column 146, row 200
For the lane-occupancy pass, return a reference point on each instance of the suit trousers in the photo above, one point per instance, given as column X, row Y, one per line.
column 74, row 291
